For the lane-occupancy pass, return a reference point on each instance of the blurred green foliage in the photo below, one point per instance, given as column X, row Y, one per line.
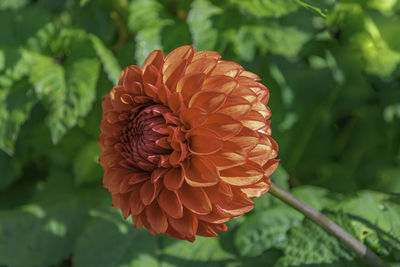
column 333, row 70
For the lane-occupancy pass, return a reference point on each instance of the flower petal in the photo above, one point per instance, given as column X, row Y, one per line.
column 270, row 166
column 242, row 175
column 210, row 230
column 193, row 117
column 156, row 218
column 223, row 125
column 260, row 90
column 220, row 84
column 219, row 193
column 129, row 76
column 208, row 101
column 185, row 52
column 135, row 202
column 143, row 219
column 257, row 189
column 186, row 226
column 173, row 73
column 250, row 75
column 156, row 58
column 151, row 75
column 149, row 191
column 253, row 120
column 203, row 141
column 206, row 54
column 246, row 139
column 239, row 205
column 245, row 93
column 235, row 106
column 200, row 172
column 125, row 207
column 202, row 65
column 216, row 216
column 170, row 203
column 227, row 68
column 189, row 85
column 173, row 179
column 195, row 199
column 230, row 155
column 205, row 229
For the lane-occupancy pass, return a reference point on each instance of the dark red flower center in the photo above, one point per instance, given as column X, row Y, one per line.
column 151, row 137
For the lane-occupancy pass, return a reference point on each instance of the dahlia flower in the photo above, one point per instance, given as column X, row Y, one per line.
column 186, row 143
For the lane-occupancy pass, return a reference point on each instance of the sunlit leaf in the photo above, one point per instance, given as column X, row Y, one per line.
column 199, row 20
column 267, row 8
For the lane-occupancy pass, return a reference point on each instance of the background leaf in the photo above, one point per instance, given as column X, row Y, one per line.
column 332, row 69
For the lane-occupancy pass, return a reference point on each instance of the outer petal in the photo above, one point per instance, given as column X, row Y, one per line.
column 230, row 155
column 227, row 68
column 185, row 52
column 220, row 192
column 156, row 218
column 149, row 192
column 239, row 205
column 217, row 215
column 173, row 73
column 136, row 204
column 206, row 54
column 195, row 199
column 257, row 189
column 189, row 85
column 242, row 175
column 171, row 204
column 202, row 65
column 186, row 226
column 156, row 58
column 129, row 76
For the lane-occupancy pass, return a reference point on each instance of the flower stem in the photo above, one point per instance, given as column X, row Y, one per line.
column 367, row 255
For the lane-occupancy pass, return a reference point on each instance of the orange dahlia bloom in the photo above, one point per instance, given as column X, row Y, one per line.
column 186, row 143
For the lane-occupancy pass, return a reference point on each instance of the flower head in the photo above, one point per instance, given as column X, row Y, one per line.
column 186, row 142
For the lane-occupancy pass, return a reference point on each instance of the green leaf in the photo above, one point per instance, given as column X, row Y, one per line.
column 13, row 4
column 199, row 19
column 82, row 3
column 205, row 251
column 110, row 63
column 276, row 39
column 10, row 170
column 43, row 232
column 145, row 18
column 312, row 8
column 86, row 164
column 317, row 197
column 362, row 33
column 380, row 209
column 267, row 8
column 67, row 92
column 109, row 241
column 309, row 244
column 265, row 229
column 15, row 107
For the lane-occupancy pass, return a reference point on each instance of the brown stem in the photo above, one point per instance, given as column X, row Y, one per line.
column 367, row 255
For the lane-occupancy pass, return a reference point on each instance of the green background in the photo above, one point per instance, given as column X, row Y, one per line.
column 333, row 71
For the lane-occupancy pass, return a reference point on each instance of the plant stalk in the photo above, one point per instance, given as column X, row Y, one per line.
column 367, row 255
